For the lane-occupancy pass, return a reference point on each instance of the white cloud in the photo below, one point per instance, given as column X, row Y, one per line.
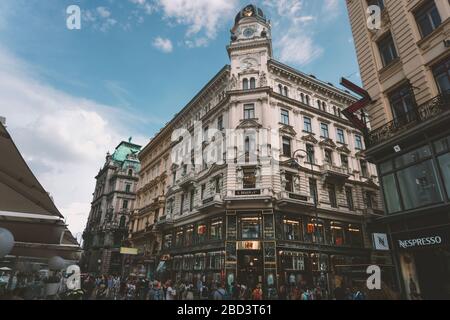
column 100, row 18
column 297, row 48
column 63, row 138
column 103, row 12
column 145, row 5
column 165, row 45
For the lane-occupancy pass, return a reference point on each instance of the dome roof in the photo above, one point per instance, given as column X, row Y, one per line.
column 250, row 11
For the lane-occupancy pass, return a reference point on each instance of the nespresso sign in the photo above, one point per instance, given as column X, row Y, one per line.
column 423, row 239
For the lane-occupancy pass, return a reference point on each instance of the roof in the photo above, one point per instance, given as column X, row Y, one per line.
column 20, row 191
column 124, row 149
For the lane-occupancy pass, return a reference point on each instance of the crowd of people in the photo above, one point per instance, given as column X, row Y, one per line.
column 140, row 288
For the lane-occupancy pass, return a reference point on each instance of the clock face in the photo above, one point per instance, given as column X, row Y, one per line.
column 248, row 32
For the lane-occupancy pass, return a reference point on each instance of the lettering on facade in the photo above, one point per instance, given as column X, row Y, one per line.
column 298, row 197
column 420, row 242
column 248, row 192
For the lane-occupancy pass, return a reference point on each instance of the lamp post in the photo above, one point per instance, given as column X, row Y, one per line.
column 316, row 229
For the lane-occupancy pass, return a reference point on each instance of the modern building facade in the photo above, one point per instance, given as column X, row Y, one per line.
column 268, row 181
column 113, row 201
column 405, row 67
column 153, row 183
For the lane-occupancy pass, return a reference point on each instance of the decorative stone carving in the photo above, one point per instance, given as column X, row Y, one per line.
column 233, row 82
column 297, row 186
column 262, row 79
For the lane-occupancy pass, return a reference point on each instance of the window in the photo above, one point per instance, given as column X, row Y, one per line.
column 329, row 156
column 391, row 194
column 310, row 153
column 379, row 3
column 307, row 124
column 199, row 261
column 250, row 227
column 314, row 231
column 336, row 236
column 324, row 130
column 302, row 97
column 179, row 238
column 130, row 172
column 286, row 92
column 191, row 200
column 402, row 103
column 168, row 241
column 292, row 229
column 287, row 147
column 441, row 73
column 364, row 169
column 216, row 229
column 313, row 190
column 332, row 195
column 284, row 116
column 202, row 231
column 280, row 89
column 174, row 178
column 170, row 205
column 308, row 100
column 354, row 236
column 428, row 18
column 289, row 182
column 249, row 111
column 358, row 142
column 220, row 123
column 203, row 189
column 444, row 163
column 245, row 84
column 344, row 161
column 368, row 199
column 125, row 204
column 252, row 83
column 349, row 196
column 249, row 178
column 387, row 50
column 340, row 135
column 128, row 188
column 319, row 104
column 189, row 235
column 182, row 204
column 324, row 106
column 217, row 184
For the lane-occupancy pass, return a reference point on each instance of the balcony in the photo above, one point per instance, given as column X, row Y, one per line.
column 427, row 111
column 334, row 174
column 186, row 179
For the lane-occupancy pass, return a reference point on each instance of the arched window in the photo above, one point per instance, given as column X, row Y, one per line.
column 286, row 91
column 308, row 100
column 339, row 112
column 122, row 221
column 130, row 172
column 302, row 97
column 245, row 84
column 252, row 83
column 334, row 110
column 280, row 89
column 324, row 106
column 319, row 104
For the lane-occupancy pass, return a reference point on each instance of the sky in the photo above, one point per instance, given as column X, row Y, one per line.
column 70, row 96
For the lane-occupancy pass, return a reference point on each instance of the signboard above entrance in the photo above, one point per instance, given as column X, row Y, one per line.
column 249, row 245
column 130, row 251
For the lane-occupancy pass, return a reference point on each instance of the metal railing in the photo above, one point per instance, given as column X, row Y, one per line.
column 424, row 112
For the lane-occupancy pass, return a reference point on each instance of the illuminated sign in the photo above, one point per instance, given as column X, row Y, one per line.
column 131, row 251
column 249, row 245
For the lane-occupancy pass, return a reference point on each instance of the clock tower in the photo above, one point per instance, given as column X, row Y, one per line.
column 250, row 47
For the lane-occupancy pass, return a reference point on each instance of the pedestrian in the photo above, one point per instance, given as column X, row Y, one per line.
column 339, row 293
column 272, row 293
column 220, row 292
column 282, row 295
column 257, row 293
column 204, row 292
column 171, row 293
column 235, row 290
column 243, row 294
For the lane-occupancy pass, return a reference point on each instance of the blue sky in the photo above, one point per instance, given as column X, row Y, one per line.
column 71, row 95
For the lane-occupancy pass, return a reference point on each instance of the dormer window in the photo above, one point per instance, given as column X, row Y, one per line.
column 130, row 172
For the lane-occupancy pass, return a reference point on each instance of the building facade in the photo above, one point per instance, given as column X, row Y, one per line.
column 405, row 67
column 153, row 183
column 113, row 201
column 268, row 182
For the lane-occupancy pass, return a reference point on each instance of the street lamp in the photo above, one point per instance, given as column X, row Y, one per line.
column 311, row 162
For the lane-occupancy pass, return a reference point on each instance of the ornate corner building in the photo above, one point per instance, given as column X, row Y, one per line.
column 111, row 208
column 282, row 191
column 405, row 67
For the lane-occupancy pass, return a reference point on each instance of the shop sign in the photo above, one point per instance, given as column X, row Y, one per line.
column 423, row 239
column 248, row 192
column 249, row 245
column 208, row 200
column 380, row 241
column 130, row 251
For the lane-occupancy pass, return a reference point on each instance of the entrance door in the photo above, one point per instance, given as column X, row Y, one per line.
column 433, row 268
column 250, row 268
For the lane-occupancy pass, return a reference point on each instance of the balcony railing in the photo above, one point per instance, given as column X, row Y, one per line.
column 424, row 112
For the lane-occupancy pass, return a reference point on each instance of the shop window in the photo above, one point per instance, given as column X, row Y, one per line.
column 188, row 262
column 427, row 18
column 441, row 72
column 199, row 261
column 249, row 178
column 216, row 229
column 216, row 260
column 250, row 227
column 168, row 241
column 444, row 164
column 314, row 231
column 319, row 262
column 354, row 236
column 202, row 231
column 292, row 229
column 387, row 49
column 336, row 236
column 189, row 236
column 391, row 194
column 177, row 263
column 293, row 261
column 179, row 238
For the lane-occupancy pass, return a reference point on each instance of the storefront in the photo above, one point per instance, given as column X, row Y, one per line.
column 424, row 259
